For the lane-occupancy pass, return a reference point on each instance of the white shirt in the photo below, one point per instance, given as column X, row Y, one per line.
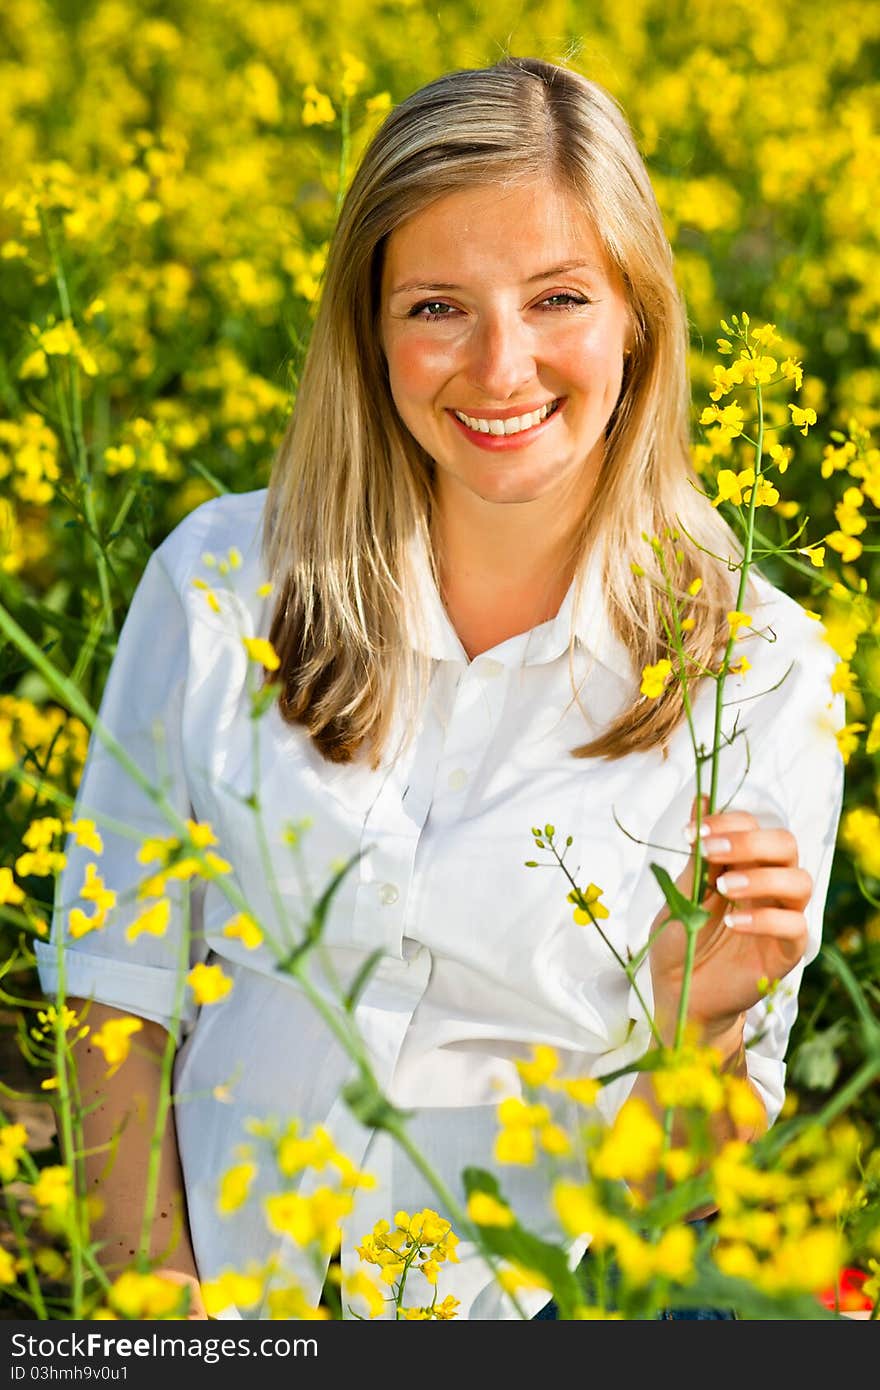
column 482, row 958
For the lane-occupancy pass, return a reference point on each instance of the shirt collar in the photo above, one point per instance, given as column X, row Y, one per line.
column 432, row 633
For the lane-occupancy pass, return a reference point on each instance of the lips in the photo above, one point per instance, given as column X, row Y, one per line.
column 491, row 435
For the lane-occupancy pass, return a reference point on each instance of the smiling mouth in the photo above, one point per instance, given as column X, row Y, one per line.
column 513, row 424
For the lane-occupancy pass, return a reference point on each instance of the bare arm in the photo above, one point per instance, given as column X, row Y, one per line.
column 126, row 1107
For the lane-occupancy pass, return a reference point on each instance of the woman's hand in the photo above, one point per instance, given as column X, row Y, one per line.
column 756, row 929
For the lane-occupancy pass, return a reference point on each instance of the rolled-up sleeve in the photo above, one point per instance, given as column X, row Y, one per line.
column 141, row 707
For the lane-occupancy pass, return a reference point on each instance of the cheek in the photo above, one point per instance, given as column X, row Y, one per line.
column 418, row 367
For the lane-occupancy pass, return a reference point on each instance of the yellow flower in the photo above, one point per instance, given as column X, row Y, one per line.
column 544, row 1063
column 872, row 743
column 793, row 370
column 85, row 833
column 728, row 419
column 654, row 678
column 739, row 668
column 230, row 1288
column 79, row 924
column 262, row 651
column 737, row 621
column 9, row 889
column 594, row 908
column 847, row 547
column 235, row 1185
column 318, row 108
column 582, row 1089
column 114, row 1040
column 757, row 370
column 208, row 983
column 52, row 1189
column 243, row 926
column 146, row 1295
column 631, row 1149
column 40, row 833
column 93, row 889
column 847, row 739
column 486, row 1210
column 201, row 834
column 13, row 1140
column 802, row 419
column 695, row 586
column 7, row 1267
column 360, row 1285
column 154, row 920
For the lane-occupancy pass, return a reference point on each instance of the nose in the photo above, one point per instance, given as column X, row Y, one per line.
column 501, row 359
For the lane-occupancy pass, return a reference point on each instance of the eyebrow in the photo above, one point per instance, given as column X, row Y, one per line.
column 541, row 275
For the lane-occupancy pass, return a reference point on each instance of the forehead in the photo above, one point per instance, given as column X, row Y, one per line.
column 497, row 232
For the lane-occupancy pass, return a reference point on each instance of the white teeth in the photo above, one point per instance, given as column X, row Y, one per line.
column 514, row 425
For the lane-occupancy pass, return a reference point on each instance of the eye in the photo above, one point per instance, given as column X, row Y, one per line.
column 572, row 301
column 431, row 305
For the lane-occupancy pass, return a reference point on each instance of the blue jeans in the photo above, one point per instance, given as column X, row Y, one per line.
column 551, row 1313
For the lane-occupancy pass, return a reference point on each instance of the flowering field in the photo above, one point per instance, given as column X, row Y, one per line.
column 171, row 173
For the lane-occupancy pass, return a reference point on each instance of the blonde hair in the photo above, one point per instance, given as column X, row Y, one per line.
column 351, row 488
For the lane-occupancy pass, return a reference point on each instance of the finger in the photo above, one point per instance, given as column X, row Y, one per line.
column 790, row 887
column 786, row 927
column 720, row 823
column 750, row 846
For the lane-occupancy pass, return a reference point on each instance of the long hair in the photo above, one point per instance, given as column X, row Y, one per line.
column 351, row 489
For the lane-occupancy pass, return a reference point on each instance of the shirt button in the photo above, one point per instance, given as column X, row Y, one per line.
column 388, row 894
column 457, row 779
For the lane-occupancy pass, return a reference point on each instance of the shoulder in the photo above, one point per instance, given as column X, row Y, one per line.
column 231, row 522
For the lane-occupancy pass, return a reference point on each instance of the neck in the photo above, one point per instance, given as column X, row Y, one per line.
column 503, row 569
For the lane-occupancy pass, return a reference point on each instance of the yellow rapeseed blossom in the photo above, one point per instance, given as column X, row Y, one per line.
column 318, row 108
column 114, row 1040
column 736, row 622
column 631, row 1148
column 142, row 1296
column 654, row 678
column 802, row 419
column 9, row 890
column 544, row 1064
column 208, row 983
column 153, row 920
column 259, row 649
column 13, row 1142
column 848, row 740
column 243, row 928
column 235, row 1186
column 486, row 1210
column 230, row 1288
column 86, row 834
column 587, row 905
column 52, row 1189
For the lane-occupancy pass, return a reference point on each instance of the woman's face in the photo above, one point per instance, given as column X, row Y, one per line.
column 498, row 303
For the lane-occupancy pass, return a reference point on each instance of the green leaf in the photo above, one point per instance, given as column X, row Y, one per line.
column 691, row 915
column 367, row 1103
column 359, row 982
column 515, row 1243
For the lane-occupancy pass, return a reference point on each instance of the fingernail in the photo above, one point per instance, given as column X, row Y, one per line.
column 730, row 884
column 690, row 832
column 737, row 919
column 716, row 844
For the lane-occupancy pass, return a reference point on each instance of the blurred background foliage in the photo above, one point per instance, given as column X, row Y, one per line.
column 170, row 177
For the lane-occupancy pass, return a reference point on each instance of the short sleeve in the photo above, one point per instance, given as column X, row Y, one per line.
column 783, row 766
column 141, row 707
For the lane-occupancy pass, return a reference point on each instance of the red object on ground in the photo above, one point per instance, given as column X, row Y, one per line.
column 850, row 1298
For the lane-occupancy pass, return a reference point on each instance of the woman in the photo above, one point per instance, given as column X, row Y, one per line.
column 493, row 411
